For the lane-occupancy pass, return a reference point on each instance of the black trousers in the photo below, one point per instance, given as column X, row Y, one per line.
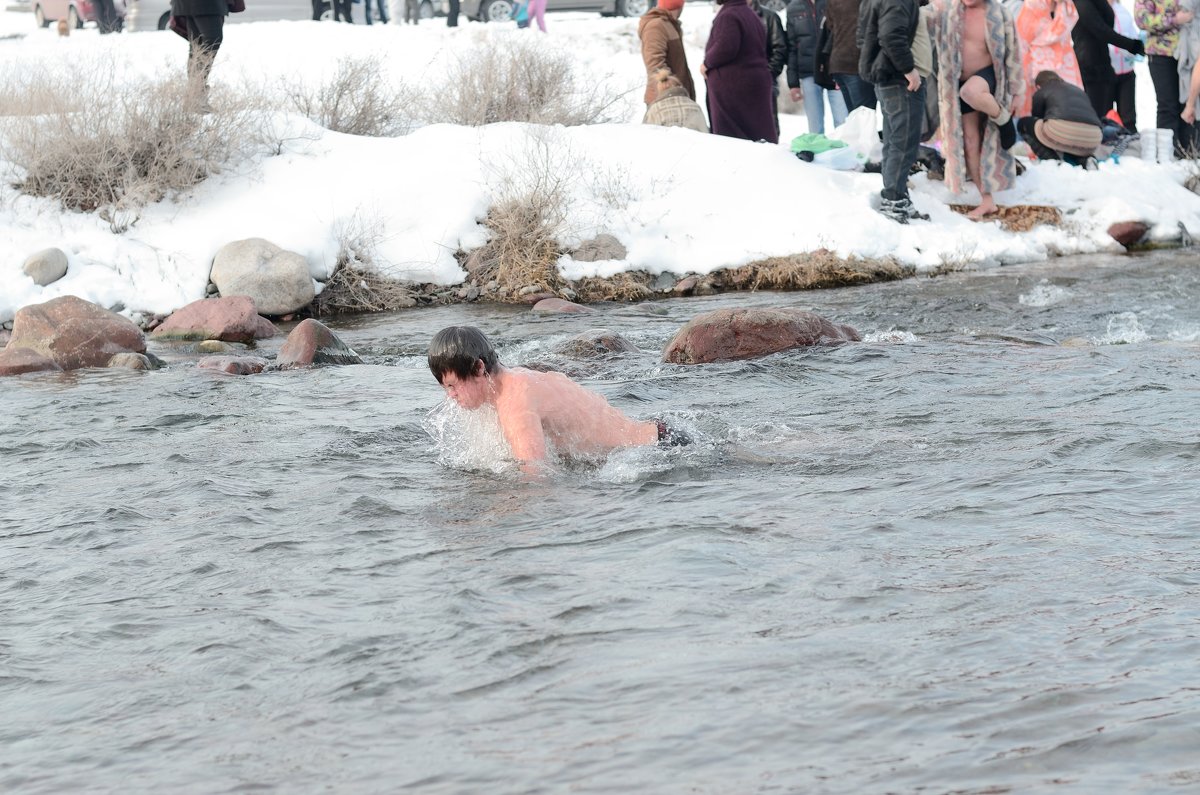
column 204, row 34
column 1125, row 95
column 1025, row 126
column 1164, row 74
column 1101, row 89
column 106, row 16
column 452, row 15
column 341, row 11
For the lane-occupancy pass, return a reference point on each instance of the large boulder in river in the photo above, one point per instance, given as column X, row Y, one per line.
column 46, row 266
column 232, row 318
column 17, row 361
column 75, row 333
column 311, row 342
column 277, row 280
column 727, row 334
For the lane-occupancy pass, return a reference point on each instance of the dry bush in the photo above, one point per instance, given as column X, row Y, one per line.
column 356, row 284
column 810, row 271
column 518, row 79
column 94, row 144
column 356, row 101
column 527, row 219
column 354, row 288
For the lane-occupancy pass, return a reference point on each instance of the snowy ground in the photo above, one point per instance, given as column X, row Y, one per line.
column 679, row 201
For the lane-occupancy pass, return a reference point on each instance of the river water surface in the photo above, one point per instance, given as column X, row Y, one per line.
column 961, row 556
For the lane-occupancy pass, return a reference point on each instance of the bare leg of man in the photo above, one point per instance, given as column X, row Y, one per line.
column 975, row 92
column 972, row 125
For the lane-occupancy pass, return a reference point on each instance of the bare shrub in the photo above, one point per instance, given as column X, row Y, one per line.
column 356, row 284
column 94, row 144
column 354, row 288
column 518, row 79
column 527, row 219
column 356, row 101
column 625, row 286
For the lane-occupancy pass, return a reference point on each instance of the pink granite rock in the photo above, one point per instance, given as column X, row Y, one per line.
column 75, row 333
column 234, row 365
column 232, row 318
column 311, row 342
column 727, row 334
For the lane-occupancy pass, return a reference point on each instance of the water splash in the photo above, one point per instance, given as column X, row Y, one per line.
column 469, row 440
column 1044, row 294
column 1123, row 329
column 893, row 336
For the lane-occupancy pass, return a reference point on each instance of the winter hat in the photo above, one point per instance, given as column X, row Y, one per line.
column 670, row 5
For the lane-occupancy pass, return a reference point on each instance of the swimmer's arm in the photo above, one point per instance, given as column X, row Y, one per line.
column 523, row 429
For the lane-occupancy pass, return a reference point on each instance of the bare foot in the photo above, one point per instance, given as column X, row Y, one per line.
column 986, row 207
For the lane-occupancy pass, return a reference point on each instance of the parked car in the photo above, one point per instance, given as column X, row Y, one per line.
column 76, row 12
column 153, row 14
column 502, row 10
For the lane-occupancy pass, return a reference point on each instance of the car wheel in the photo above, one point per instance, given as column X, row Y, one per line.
column 40, row 16
column 495, row 11
column 635, row 8
column 73, row 18
column 425, row 11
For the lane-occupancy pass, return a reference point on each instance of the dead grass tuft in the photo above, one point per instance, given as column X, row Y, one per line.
column 809, row 271
column 627, row 286
column 1019, row 217
column 355, row 288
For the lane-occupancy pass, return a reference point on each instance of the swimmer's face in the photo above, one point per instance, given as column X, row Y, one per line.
column 470, row 393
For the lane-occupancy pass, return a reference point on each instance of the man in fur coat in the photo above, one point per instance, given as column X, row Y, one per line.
column 980, row 82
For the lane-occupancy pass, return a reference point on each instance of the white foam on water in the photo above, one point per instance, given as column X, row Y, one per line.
column 1044, row 294
column 1185, row 334
column 469, row 440
column 891, row 336
column 1123, row 329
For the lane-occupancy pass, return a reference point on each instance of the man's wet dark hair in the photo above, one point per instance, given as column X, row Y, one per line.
column 456, row 349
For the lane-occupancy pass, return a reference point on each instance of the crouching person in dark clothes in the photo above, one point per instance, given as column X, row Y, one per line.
column 204, row 27
column 1063, row 121
column 536, row 410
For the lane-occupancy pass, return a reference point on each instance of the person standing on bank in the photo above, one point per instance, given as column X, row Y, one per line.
column 886, row 29
column 776, row 53
column 739, row 79
column 662, row 48
column 452, row 14
column 1092, row 34
column 803, row 33
column 1163, row 20
column 204, row 25
column 841, row 16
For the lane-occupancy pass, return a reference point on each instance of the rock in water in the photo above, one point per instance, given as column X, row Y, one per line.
column 17, row 361
column 311, row 342
column 728, row 334
column 234, row 365
column 75, row 333
column 232, row 318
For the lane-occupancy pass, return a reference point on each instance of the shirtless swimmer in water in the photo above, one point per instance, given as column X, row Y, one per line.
column 535, row 407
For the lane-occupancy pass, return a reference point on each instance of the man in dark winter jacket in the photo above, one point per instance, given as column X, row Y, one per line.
column 841, row 17
column 1063, row 122
column 204, row 21
column 803, row 34
column 886, row 29
column 776, row 52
